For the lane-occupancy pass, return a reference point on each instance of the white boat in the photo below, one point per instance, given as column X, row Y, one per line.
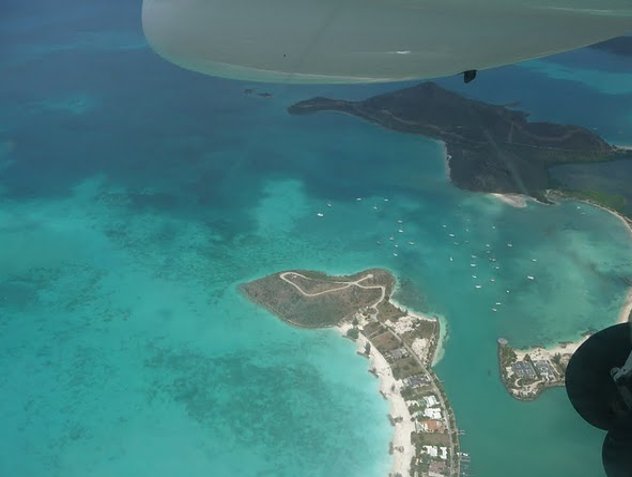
column 320, row 214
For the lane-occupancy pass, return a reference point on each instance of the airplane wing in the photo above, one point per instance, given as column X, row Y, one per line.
column 346, row 41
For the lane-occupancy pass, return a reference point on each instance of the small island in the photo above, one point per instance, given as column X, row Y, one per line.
column 490, row 148
column 527, row 372
column 400, row 345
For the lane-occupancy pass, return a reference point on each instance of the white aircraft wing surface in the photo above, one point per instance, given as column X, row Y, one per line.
column 371, row 40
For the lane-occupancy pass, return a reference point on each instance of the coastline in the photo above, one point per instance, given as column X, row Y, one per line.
column 401, row 346
column 518, row 201
column 626, row 310
column 624, row 220
column 439, row 349
column 550, row 361
column 557, row 196
column 446, row 160
column 402, row 448
column 625, row 315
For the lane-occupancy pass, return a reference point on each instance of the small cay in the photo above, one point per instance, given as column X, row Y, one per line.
column 400, row 345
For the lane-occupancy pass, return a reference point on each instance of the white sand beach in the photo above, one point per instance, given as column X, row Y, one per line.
column 443, row 326
column 514, row 200
column 624, row 220
column 626, row 309
column 403, row 449
column 548, row 352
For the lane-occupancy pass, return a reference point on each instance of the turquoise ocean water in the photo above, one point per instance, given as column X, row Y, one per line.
column 135, row 197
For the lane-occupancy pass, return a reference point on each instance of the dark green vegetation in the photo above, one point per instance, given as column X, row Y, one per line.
column 506, row 355
column 334, row 301
column 313, row 299
column 616, row 202
column 490, row 148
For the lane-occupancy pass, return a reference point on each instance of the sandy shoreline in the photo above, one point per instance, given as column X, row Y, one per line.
column 403, row 449
column 564, row 348
column 560, row 348
column 626, row 309
column 625, row 221
column 390, row 388
column 443, row 335
column 446, row 160
column 515, row 200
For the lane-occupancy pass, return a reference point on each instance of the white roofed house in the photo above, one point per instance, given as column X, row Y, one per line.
column 433, row 412
column 443, row 453
column 432, row 451
column 431, row 401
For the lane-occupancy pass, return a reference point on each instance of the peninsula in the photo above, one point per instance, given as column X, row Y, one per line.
column 490, row 148
column 400, row 345
column 526, row 373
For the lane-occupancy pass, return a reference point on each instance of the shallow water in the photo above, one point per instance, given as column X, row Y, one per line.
column 130, row 211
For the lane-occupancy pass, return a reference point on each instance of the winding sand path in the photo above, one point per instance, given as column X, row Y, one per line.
column 382, row 288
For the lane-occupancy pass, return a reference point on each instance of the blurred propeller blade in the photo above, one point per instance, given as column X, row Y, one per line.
column 589, row 384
